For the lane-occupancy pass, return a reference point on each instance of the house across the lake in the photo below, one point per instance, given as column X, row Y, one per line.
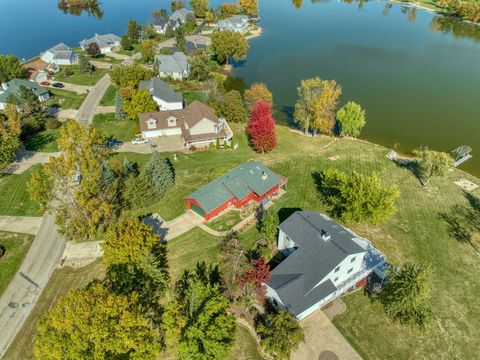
column 59, row 54
column 165, row 97
column 238, row 23
column 251, row 181
column 107, row 42
column 324, row 260
column 174, row 66
column 12, row 88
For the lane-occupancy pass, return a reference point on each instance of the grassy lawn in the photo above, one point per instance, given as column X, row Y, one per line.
column 78, row 78
column 191, row 96
column 44, row 141
column 416, row 233
column 245, row 347
column 109, row 96
column 16, row 246
column 123, row 130
column 60, row 283
column 226, row 221
column 66, row 99
column 14, row 199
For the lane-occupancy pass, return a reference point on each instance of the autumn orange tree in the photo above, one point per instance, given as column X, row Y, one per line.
column 258, row 91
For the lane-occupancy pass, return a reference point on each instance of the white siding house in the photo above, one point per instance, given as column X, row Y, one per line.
column 165, row 97
column 107, row 42
column 59, row 54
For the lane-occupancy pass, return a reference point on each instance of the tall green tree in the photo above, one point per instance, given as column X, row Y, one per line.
column 180, row 38
column 233, row 263
column 197, row 322
column 228, row 9
column 280, row 334
column 357, row 198
column 200, row 68
column 96, row 324
column 84, row 65
column 118, row 103
column 32, row 112
column 351, row 119
column 134, row 31
column 316, row 104
column 10, row 131
column 233, row 107
column 140, row 102
column 249, row 7
column 406, row 295
column 268, row 226
column 130, row 75
column 11, row 68
column 147, row 49
column 200, row 7
column 431, row 164
column 126, row 43
column 228, row 45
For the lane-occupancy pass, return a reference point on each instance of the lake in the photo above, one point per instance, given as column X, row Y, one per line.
column 416, row 74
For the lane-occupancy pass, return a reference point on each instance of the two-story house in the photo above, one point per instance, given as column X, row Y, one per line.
column 197, row 124
column 324, row 260
column 12, row 88
column 106, row 42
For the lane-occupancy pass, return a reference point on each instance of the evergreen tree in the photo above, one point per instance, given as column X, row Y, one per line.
column 84, row 65
column 126, row 43
column 134, row 31
column 351, row 119
column 180, row 40
column 268, row 226
column 261, row 127
column 233, row 108
column 406, row 295
column 10, row 131
column 11, row 68
column 119, row 113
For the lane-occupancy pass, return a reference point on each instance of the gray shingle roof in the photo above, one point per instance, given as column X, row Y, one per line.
column 295, row 277
column 161, row 90
column 101, row 40
column 62, row 54
column 180, row 15
column 13, row 88
column 176, row 63
column 60, row 46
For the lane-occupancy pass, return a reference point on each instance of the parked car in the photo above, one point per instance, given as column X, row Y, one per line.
column 138, row 141
column 58, row 85
column 114, row 143
column 45, row 83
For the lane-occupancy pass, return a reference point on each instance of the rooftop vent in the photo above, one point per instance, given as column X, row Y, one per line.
column 325, row 235
column 264, row 175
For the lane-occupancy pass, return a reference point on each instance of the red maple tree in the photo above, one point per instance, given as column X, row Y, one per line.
column 258, row 274
column 261, row 127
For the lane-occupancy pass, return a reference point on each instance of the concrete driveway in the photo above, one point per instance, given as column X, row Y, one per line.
column 169, row 143
column 135, row 148
column 171, row 229
column 323, row 341
column 87, row 109
column 20, row 224
column 26, row 159
column 79, row 89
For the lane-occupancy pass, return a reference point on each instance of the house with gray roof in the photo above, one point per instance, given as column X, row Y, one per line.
column 324, row 260
column 107, row 42
column 238, row 23
column 174, row 66
column 174, row 21
column 60, row 54
column 12, row 88
column 165, row 97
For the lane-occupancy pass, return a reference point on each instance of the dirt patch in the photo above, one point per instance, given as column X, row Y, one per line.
column 466, row 184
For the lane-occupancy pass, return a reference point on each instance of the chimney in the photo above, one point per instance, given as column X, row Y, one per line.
column 325, row 235
column 264, row 175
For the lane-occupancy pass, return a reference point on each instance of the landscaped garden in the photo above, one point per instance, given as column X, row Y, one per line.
column 15, row 247
column 417, row 233
column 123, row 130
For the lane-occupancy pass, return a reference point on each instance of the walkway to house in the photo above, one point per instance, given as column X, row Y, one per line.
column 20, row 224
column 323, row 341
column 135, row 148
column 25, row 159
column 176, row 227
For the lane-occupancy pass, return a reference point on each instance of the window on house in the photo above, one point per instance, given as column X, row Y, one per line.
column 335, row 280
column 353, row 259
column 338, row 268
column 349, row 271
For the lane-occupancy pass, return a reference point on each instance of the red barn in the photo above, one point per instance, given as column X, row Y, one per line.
column 249, row 181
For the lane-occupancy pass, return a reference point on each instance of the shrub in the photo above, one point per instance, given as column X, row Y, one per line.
column 52, row 123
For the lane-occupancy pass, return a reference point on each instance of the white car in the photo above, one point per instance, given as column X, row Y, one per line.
column 138, row 141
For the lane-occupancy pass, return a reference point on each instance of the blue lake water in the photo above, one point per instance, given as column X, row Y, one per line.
column 416, row 74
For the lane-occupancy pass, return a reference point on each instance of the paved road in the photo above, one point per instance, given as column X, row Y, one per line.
column 87, row 110
column 25, row 288
column 20, row 224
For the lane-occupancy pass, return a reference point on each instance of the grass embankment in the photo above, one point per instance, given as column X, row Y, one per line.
column 44, row 141
column 78, row 78
column 14, row 199
column 123, row 130
column 109, row 96
column 416, row 233
column 66, row 99
column 16, row 246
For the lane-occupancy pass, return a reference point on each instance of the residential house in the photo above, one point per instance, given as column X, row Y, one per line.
column 324, row 260
column 251, row 181
column 178, row 17
column 107, row 43
column 40, row 71
column 238, row 23
column 197, row 125
column 59, row 54
column 190, row 46
column 12, row 87
column 165, row 97
column 174, row 66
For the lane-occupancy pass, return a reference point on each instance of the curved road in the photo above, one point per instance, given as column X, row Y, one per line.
column 26, row 286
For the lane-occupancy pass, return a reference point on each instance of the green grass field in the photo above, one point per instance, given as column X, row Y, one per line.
column 66, row 99
column 190, row 96
column 123, row 130
column 78, row 78
column 416, row 233
column 16, row 246
column 44, row 141
column 109, row 96
column 226, row 221
column 14, row 199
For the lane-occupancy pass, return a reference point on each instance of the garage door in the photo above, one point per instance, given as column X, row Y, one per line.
column 198, row 210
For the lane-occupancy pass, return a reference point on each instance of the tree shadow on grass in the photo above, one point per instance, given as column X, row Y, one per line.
column 39, row 141
column 463, row 221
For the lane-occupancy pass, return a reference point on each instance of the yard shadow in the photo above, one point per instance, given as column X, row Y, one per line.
column 237, row 83
column 157, row 225
column 463, row 221
column 289, row 112
column 284, row 213
column 37, row 142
